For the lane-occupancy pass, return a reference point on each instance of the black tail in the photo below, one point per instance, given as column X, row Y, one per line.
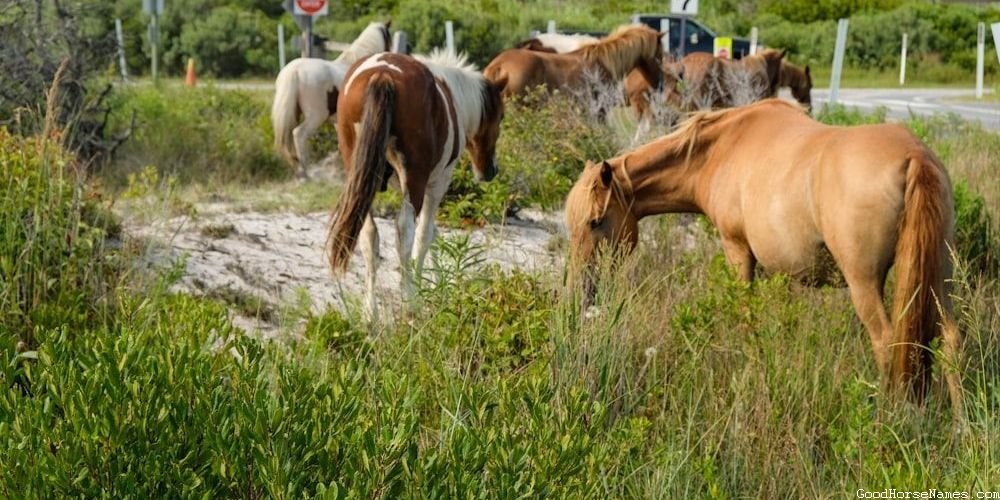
column 367, row 172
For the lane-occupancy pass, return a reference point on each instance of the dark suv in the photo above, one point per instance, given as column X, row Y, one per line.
column 698, row 37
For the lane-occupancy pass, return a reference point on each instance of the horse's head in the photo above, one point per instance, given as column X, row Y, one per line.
column 802, row 89
column 482, row 143
column 772, row 65
column 651, row 62
column 599, row 217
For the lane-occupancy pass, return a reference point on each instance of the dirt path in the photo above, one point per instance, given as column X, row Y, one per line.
column 264, row 260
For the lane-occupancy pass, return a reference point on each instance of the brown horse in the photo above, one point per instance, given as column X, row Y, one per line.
column 861, row 198
column 415, row 115
column 628, row 48
column 710, row 82
column 799, row 80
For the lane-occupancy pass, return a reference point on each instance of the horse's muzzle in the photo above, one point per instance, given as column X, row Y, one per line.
column 488, row 173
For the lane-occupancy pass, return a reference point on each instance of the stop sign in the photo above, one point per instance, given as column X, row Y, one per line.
column 311, row 7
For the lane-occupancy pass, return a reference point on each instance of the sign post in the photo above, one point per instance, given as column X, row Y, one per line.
column 684, row 8
column 154, row 8
column 281, row 46
column 902, row 63
column 838, row 60
column 399, row 42
column 665, row 40
column 980, row 55
column 304, row 11
column 996, row 38
column 121, row 49
column 551, row 27
column 449, row 36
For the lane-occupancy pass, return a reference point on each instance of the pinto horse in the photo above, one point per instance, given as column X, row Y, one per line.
column 415, row 115
column 863, row 198
column 629, row 47
column 709, row 82
column 309, row 87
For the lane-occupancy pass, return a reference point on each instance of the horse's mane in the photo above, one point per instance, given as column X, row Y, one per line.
column 466, row 83
column 374, row 39
column 685, row 138
column 618, row 52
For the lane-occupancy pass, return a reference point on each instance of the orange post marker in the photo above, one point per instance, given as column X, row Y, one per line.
column 190, row 79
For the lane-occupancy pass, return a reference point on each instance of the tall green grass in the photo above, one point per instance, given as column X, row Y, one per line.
column 682, row 382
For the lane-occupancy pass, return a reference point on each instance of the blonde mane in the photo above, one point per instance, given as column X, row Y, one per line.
column 619, row 51
column 465, row 82
column 374, row 39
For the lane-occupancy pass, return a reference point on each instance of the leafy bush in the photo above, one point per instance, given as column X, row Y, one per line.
column 544, row 143
column 842, row 115
column 202, row 134
column 54, row 268
column 977, row 239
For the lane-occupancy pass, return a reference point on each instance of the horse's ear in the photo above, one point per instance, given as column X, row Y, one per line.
column 607, row 173
column 783, row 52
column 807, row 71
column 388, row 23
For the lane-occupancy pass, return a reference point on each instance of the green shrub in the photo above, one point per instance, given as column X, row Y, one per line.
column 842, row 115
column 544, row 143
column 54, row 268
column 977, row 239
column 201, row 134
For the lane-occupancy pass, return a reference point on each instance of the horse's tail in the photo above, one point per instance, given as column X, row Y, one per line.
column 284, row 112
column 366, row 174
column 922, row 266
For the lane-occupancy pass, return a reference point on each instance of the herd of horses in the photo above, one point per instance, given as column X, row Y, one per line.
column 784, row 191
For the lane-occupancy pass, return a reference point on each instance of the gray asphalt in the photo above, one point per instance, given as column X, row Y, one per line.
column 899, row 103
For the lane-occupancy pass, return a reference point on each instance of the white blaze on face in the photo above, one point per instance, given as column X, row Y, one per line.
column 369, row 64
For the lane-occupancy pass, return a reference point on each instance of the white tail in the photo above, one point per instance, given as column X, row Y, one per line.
column 284, row 112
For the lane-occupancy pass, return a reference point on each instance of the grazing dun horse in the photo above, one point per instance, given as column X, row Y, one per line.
column 796, row 196
column 309, row 87
column 629, row 47
column 413, row 115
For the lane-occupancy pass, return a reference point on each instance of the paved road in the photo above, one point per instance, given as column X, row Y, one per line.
column 900, row 102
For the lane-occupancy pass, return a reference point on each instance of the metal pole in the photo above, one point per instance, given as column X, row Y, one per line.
column 980, row 55
column 155, row 41
column 308, row 38
column 996, row 38
column 753, row 40
column 449, row 35
column 281, row 46
column 399, row 42
column 552, row 27
column 121, row 49
column 838, row 60
column 665, row 40
column 902, row 63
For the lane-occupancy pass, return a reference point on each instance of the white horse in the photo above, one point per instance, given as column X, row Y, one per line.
column 563, row 43
column 310, row 87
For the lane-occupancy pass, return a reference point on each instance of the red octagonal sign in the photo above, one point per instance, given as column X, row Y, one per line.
column 311, row 7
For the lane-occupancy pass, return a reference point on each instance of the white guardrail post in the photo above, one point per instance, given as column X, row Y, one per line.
column 902, row 62
column 449, row 35
column 838, row 60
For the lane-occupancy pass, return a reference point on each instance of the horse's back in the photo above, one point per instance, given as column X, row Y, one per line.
column 797, row 187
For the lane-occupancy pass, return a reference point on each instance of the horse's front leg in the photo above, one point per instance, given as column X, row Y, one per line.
column 739, row 255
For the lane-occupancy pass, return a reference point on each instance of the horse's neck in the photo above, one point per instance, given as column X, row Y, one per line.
column 664, row 180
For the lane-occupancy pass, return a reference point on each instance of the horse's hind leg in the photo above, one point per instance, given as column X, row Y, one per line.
column 369, row 249
column 312, row 120
column 425, row 223
column 952, row 366
column 866, row 294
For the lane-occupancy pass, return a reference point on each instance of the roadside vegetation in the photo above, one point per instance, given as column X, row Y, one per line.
column 687, row 382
